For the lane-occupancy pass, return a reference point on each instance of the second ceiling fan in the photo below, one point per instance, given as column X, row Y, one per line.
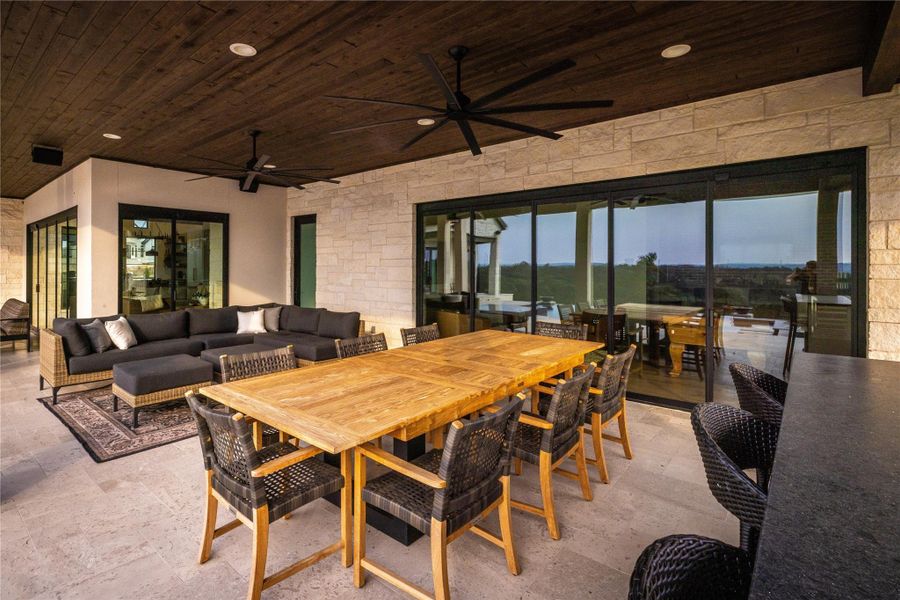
column 461, row 109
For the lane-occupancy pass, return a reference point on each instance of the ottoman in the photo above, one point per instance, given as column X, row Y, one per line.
column 213, row 355
column 142, row 383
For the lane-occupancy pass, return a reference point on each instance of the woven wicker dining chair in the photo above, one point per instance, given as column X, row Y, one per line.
column 443, row 493
column 730, row 441
column 418, row 335
column 548, row 441
column 259, row 486
column 759, row 393
column 690, row 567
column 561, row 330
column 606, row 403
column 365, row 344
column 235, row 367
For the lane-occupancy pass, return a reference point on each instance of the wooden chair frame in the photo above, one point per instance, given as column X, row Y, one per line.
column 439, row 536
column 259, row 524
column 597, row 437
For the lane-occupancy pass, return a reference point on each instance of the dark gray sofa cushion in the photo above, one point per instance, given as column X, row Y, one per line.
column 159, row 326
column 106, row 360
column 75, row 340
column 219, row 340
column 213, row 355
column 299, row 320
column 341, row 325
column 163, row 373
column 306, row 346
column 99, row 336
column 212, row 320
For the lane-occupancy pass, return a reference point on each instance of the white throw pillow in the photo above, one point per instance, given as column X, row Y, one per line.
column 253, row 321
column 120, row 333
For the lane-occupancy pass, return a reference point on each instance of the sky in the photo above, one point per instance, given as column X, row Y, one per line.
column 771, row 230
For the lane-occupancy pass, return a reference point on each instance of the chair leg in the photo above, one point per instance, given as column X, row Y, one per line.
column 359, row 520
column 517, row 466
column 597, row 437
column 505, row 514
column 623, row 433
column 439, row 559
column 546, row 469
column 209, row 521
column 582, row 468
column 260, row 549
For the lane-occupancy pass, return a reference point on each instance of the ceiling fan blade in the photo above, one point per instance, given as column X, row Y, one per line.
column 428, row 62
column 239, row 167
column 287, row 170
column 470, row 136
column 387, row 102
column 517, row 126
column 310, row 177
column 549, row 106
column 431, row 129
column 248, row 180
column 281, row 180
column 262, row 161
column 524, row 82
column 199, row 178
column 379, row 124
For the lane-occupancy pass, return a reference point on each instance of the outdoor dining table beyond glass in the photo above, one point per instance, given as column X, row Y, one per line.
column 403, row 393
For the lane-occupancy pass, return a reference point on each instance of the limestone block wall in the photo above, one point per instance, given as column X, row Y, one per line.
column 12, row 249
column 365, row 225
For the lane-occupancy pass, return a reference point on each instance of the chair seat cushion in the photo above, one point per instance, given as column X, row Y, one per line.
column 306, row 346
column 221, row 340
column 105, row 360
column 213, row 355
column 163, row 373
column 528, row 444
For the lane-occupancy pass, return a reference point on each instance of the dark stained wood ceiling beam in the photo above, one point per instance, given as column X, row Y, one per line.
column 881, row 69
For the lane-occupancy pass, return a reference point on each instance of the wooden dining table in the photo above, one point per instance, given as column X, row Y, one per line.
column 403, row 393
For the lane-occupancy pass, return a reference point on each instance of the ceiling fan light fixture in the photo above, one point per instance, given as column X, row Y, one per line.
column 425, row 122
column 675, row 51
column 112, row 136
column 241, row 49
column 270, row 166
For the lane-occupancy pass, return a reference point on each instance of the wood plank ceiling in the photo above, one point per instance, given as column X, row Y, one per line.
column 160, row 73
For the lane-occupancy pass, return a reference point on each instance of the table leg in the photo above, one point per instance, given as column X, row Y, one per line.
column 347, row 509
column 676, row 350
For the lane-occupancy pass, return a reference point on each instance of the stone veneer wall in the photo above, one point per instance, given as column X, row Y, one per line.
column 365, row 225
column 12, row 249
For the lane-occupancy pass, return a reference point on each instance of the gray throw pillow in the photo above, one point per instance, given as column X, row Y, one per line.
column 272, row 316
column 74, row 338
column 96, row 332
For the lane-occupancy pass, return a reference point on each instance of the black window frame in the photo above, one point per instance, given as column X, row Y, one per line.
column 56, row 219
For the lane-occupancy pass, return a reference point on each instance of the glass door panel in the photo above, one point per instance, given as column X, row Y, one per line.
column 197, row 260
column 446, row 298
column 660, row 274
column 148, row 250
column 501, row 239
column 52, row 268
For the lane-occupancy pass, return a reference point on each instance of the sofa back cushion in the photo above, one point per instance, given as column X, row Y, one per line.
column 341, row 325
column 212, row 320
column 301, row 320
column 159, row 326
column 75, row 340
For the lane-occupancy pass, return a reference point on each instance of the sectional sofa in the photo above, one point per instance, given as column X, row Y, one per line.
column 66, row 358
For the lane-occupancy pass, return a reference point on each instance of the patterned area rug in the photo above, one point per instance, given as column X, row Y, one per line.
column 107, row 435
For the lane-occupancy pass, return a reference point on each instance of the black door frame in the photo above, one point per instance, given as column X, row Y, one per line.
column 297, row 221
column 60, row 217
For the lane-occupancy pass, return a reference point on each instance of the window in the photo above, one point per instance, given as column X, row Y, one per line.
column 52, row 268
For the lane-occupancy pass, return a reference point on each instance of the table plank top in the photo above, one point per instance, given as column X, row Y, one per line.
column 649, row 312
column 404, row 392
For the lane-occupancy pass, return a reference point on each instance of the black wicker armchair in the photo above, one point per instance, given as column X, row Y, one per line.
column 418, row 335
column 365, row 344
column 260, row 486
column 759, row 393
column 15, row 322
column 691, row 567
column 442, row 494
column 732, row 440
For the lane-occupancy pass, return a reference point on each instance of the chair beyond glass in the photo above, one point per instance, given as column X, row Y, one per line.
column 549, row 440
column 759, row 393
column 442, row 494
column 358, row 346
column 561, row 330
column 235, row 367
column 259, row 486
column 732, row 440
column 690, row 567
column 418, row 335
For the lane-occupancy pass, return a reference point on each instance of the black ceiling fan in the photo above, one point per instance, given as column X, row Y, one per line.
column 461, row 109
column 258, row 168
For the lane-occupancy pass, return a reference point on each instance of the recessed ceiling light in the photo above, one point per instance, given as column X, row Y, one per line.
column 112, row 136
column 270, row 166
column 676, row 51
column 425, row 122
column 242, row 49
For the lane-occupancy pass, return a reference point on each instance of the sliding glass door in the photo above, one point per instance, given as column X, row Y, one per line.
column 501, row 244
column 52, row 268
column 171, row 259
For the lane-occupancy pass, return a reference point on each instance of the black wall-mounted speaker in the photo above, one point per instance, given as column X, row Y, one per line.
column 46, row 155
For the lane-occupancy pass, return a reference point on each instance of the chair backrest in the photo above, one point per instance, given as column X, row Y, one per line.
column 790, row 307
column 14, row 309
column 731, row 440
column 227, row 445
column 612, row 380
column 253, row 364
column 561, row 330
column 566, row 410
column 361, row 345
column 759, row 393
column 620, row 330
column 565, row 312
column 476, row 454
column 418, row 335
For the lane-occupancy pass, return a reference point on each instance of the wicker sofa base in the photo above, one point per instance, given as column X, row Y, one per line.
column 136, row 402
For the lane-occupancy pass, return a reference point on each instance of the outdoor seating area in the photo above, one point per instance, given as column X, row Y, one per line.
column 376, row 300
